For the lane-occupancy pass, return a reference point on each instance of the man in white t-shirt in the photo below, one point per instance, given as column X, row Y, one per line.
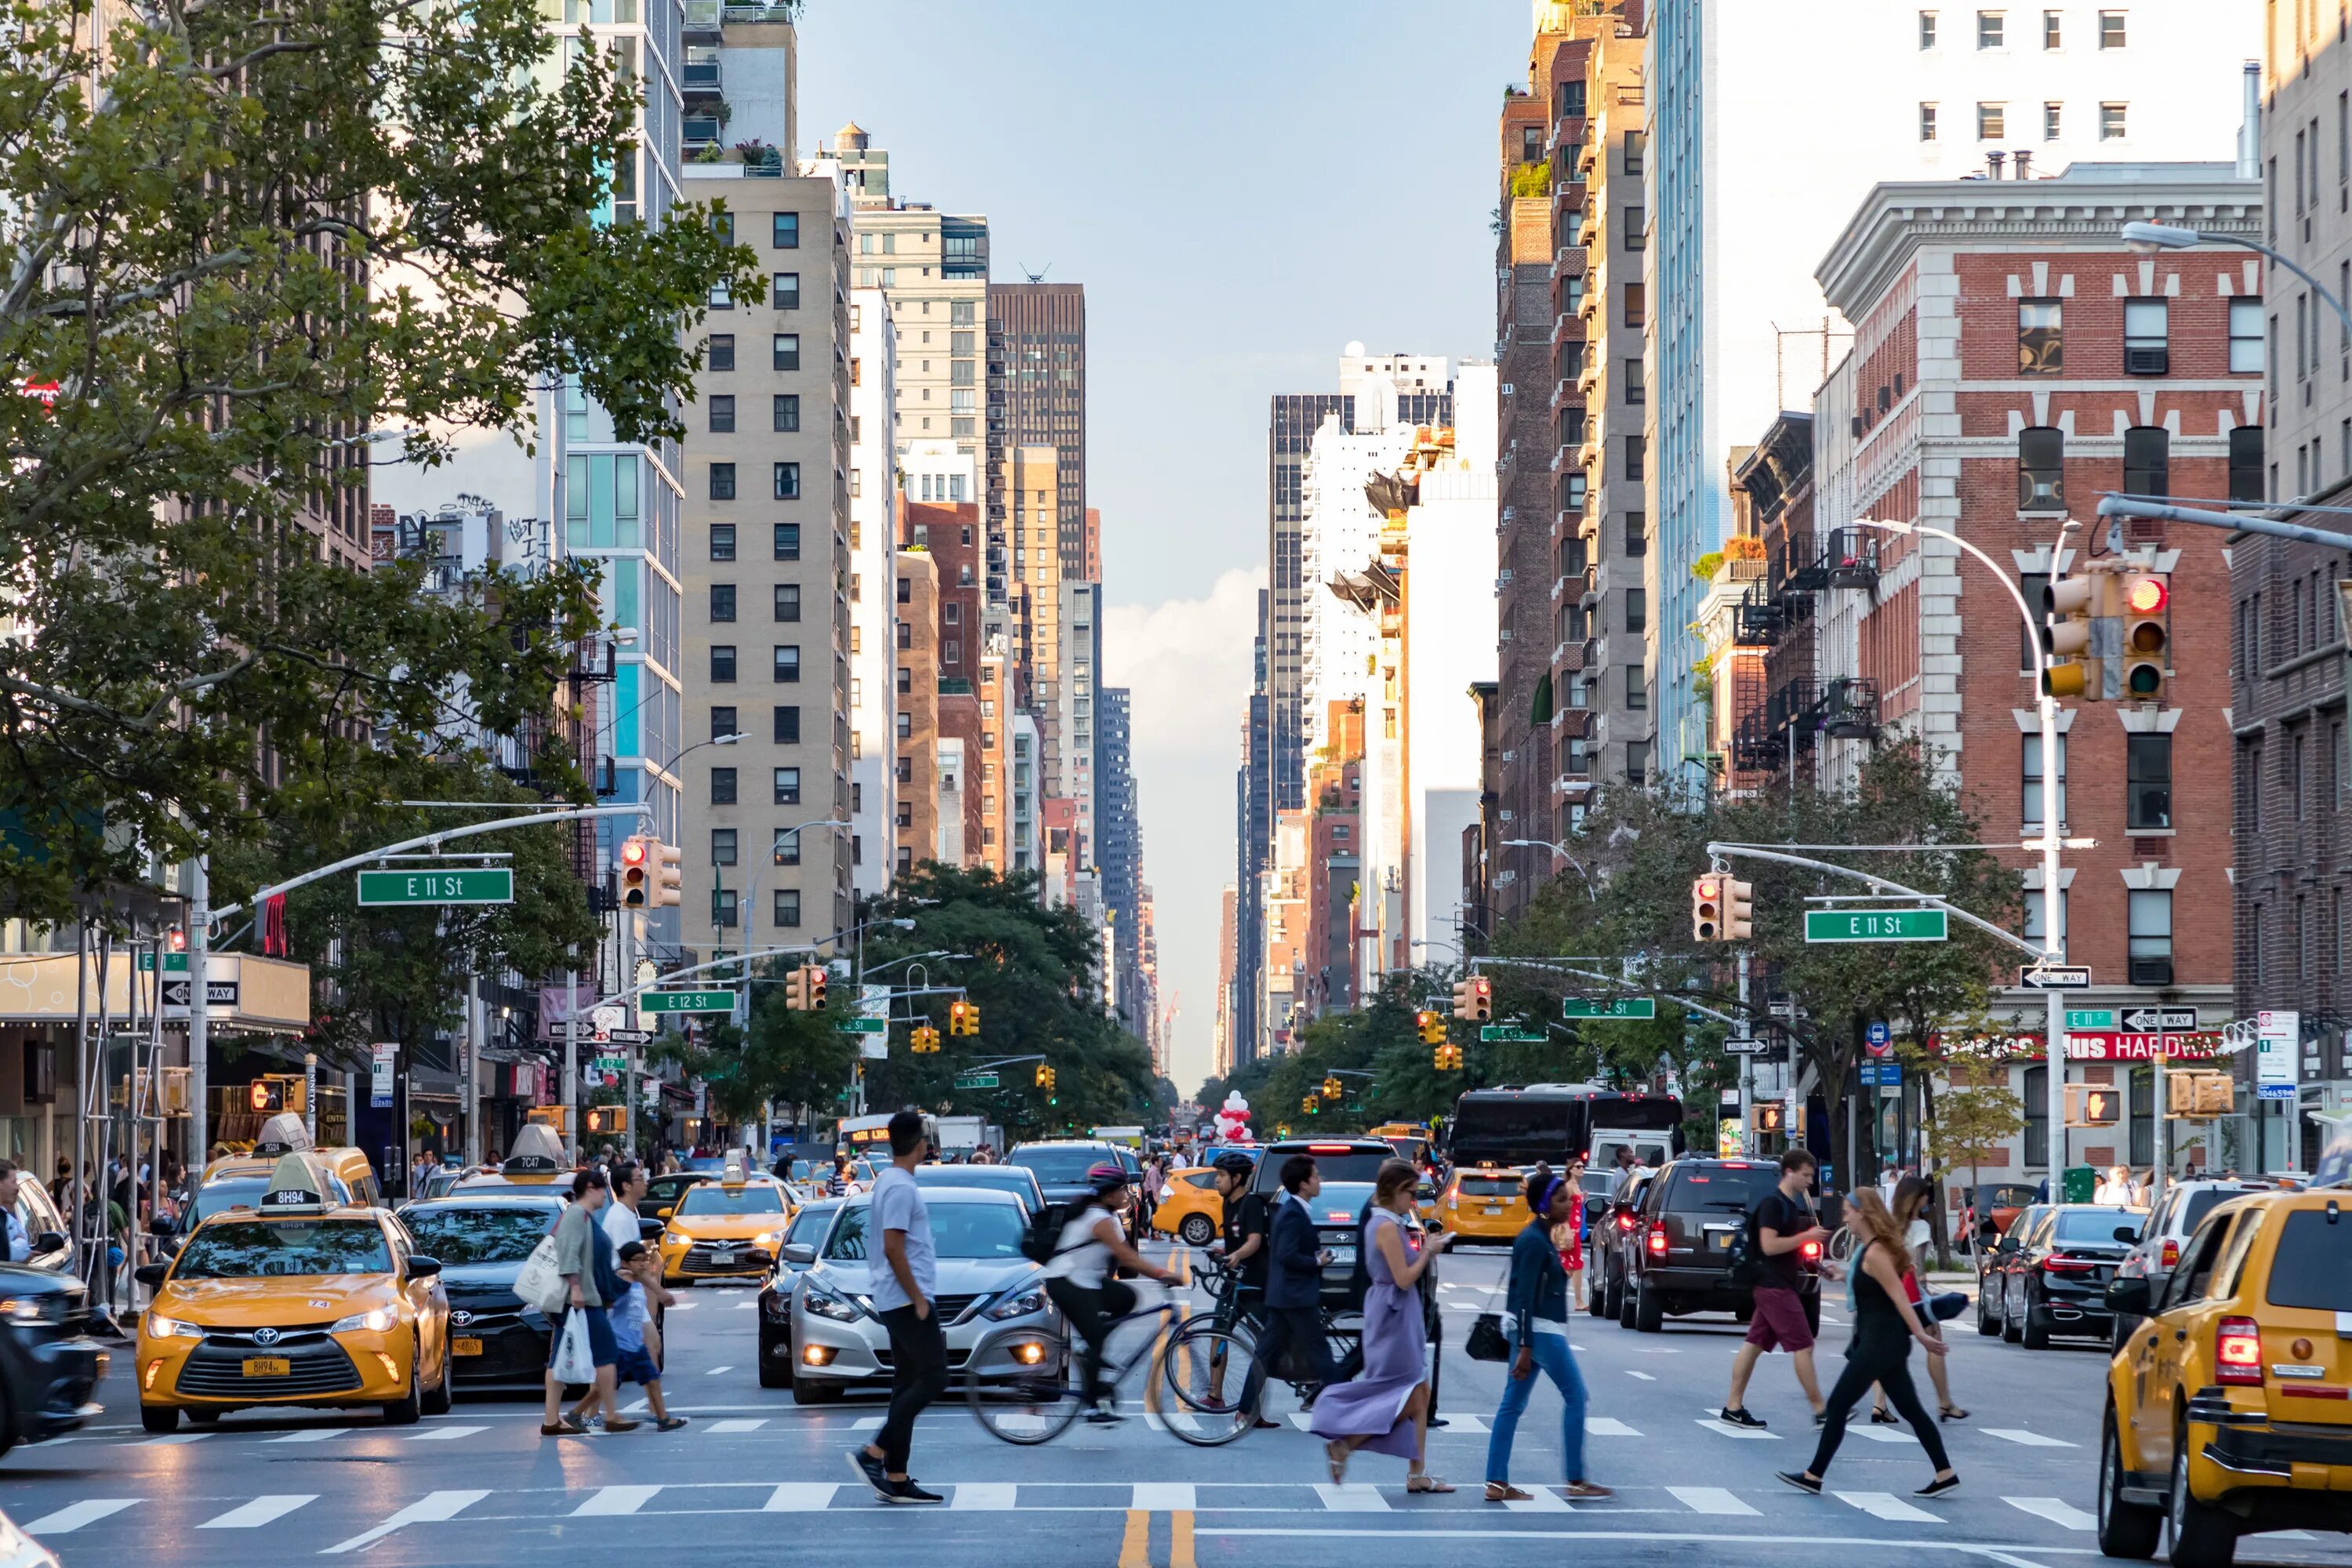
column 620, row 1217
column 901, row 1297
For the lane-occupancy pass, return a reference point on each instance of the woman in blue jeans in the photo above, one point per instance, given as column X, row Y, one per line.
column 1535, row 1312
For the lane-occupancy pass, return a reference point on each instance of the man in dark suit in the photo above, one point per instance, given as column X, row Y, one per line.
column 1293, row 1285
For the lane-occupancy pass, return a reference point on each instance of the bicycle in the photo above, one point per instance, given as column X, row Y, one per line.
column 1217, row 1352
column 1028, row 1408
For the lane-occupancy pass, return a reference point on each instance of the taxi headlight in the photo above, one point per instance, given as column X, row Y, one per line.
column 825, row 1304
column 769, row 1239
column 162, row 1328
column 674, row 1236
column 1019, row 1304
column 375, row 1319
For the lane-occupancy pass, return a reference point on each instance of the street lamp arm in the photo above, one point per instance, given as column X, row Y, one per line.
column 2278, row 259
column 2165, row 511
column 1676, row 997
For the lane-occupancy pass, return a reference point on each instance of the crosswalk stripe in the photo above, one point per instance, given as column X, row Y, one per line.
column 991, row 1496
column 681, row 1307
column 2030, row 1439
column 1887, row 1505
column 1164, row 1497
column 1709, row 1499
column 2055, row 1511
column 174, row 1438
column 1645, row 1376
column 443, row 1434
column 1728, row 1430
column 1608, row 1427
column 608, row 1501
column 1356, row 1497
column 867, row 1424
column 259, row 1512
column 1870, row 1432
column 745, row 1306
column 430, row 1509
column 801, row 1497
column 753, row 1424
column 309, row 1434
column 73, row 1516
column 1544, row 1500
column 717, row 1370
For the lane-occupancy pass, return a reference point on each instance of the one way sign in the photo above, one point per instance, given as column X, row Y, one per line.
column 218, row 993
column 2159, row 1020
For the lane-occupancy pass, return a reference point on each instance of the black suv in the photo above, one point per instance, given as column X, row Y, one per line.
column 1348, row 1166
column 1677, row 1257
column 1612, row 1240
column 50, row 1363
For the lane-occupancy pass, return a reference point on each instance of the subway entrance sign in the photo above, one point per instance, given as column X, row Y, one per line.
column 1875, row 925
column 686, row 1002
column 478, row 885
column 1609, row 1007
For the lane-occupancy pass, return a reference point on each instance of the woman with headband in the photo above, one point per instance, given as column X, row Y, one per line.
column 1536, row 1322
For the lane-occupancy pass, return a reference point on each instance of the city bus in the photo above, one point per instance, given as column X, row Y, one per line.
column 1410, row 1139
column 1522, row 1124
column 863, row 1137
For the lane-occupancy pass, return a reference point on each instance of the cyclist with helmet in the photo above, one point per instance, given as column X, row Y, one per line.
column 1078, row 1276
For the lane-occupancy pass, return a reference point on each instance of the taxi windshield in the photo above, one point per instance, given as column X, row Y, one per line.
column 710, row 1198
column 224, row 1192
column 256, row 1249
column 503, row 1234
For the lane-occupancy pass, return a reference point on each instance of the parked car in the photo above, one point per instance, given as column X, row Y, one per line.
column 1690, row 1222
column 2156, row 1246
column 1996, row 1204
column 49, row 1365
column 1994, row 1263
column 1613, row 1225
column 45, row 1227
column 19, row 1550
column 483, row 1239
column 2055, row 1279
column 802, row 1240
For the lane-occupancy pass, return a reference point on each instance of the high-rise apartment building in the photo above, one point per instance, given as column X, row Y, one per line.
column 1119, row 846
column 1740, row 330
column 1293, row 419
column 874, row 533
column 921, row 763
column 1037, row 397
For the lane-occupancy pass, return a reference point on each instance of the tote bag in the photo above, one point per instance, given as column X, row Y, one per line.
column 539, row 1285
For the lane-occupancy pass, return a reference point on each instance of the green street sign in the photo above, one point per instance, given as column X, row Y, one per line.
column 173, row 964
column 1612, row 1008
column 480, row 884
column 686, row 1002
column 1874, row 925
column 2090, row 1017
column 865, row 1026
column 612, row 1064
column 1507, row 1035
column 975, row 1081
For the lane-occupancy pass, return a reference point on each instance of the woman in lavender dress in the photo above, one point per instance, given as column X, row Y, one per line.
column 1385, row 1407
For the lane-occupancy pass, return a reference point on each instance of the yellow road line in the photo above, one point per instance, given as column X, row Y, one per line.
column 1134, row 1548
column 1180, row 1539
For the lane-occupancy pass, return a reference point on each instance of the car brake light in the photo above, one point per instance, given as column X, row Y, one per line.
column 2238, row 1353
column 1329, row 1149
column 1658, row 1242
column 2068, row 1265
column 1624, row 1222
column 2172, row 1252
column 1811, row 1251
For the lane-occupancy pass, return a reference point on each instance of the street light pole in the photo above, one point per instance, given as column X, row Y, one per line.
column 1589, row 892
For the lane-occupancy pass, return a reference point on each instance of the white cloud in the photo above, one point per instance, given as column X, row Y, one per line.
column 1187, row 663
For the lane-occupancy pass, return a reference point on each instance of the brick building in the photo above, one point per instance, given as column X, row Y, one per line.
column 952, row 535
column 2012, row 360
column 918, row 674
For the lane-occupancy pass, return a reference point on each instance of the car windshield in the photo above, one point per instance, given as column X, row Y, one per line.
column 256, row 1249
column 1060, row 1162
column 2197, row 1204
column 710, row 1198
column 1734, row 1187
column 2091, row 1225
column 2311, row 1269
column 989, row 1231
column 494, row 1233
column 226, row 1192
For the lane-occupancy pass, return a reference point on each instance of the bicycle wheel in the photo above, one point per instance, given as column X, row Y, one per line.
column 1841, row 1245
column 1024, row 1406
column 1206, row 1371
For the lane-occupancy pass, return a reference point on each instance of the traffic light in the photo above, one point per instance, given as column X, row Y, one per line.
column 1770, row 1116
column 1045, row 1076
column 2092, row 1105
column 1461, row 998
column 2080, row 614
column 635, row 873
column 815, row 985
column 925, row 1041
column 2199, row 1095
column 606, row 1121
column 2147, row 619
column 805, row 989
column 1448, row 1057
column 1332, row 1088
column 1482, row 998
column 1309, row 1104
column 2216, row 1095
column 1738, row 910
column 963, row 1017
column 669, row 873
column 1707, row 909
column 1432, row 1027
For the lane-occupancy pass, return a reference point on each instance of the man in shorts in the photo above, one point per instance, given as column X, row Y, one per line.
column 1783, row 1224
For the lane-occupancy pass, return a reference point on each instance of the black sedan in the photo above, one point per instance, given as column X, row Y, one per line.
column 796, row 1255
column 483, row 1239
column 661, row 1192
column 49, row 1365
column 2055, row 1280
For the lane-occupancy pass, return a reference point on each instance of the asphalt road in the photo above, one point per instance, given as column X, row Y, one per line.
column 755, row 1474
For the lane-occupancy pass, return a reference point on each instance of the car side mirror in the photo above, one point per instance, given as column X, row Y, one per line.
column 2129, row 1295
column 2129, row 1234
column 52, row 1240
column 2007, row 1244
column 799, row 1253
column 423, row 1268
column 664, row 1214
column 151, row 1274
column 159, row 1224
column 647, row 1229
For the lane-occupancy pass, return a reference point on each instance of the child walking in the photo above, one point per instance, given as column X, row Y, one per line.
column 635, row 1334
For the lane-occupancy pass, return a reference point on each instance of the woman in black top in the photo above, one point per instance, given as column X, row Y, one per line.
column 1883, row 1327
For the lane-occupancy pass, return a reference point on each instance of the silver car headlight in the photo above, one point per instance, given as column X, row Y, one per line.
column 825, row 1304
column 47, row 1309
column 1018, row 1303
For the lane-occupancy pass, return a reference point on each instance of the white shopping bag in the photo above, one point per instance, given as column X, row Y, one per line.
column 575, row 1362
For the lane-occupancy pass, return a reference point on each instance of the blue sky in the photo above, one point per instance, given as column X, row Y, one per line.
column 1243, row 189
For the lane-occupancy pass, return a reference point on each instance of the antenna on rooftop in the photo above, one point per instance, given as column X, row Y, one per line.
column 1037, row 276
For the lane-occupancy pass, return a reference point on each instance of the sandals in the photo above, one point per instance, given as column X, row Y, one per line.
column 1335, row 1454
column 1504, row 1492
column 1953, row 1413
column 1425, row 1483
column 1883, row 1418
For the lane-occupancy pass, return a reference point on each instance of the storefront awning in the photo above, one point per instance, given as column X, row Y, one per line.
column 255, row 995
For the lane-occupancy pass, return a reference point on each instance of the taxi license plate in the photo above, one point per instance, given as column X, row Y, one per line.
column 268, row 1367
column 1494, row 1209
column 722, row 1258
column 467, row 1347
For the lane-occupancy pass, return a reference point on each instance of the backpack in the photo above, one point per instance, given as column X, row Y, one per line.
column 1043, row 1240
column 1748, row 1250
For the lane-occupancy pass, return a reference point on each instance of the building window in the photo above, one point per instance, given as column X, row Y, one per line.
column 1634, row 391
column 722, row 481
column 2245, row 337
column 722, row 786
column 2040, row 346
column 1629, row 219
column 2245, row 460
column 2150, row 937
column 787, row 294
column 788, row 908
column 786, row 412
column 2053, row 32
column 905, row 590
column 722, row 415
column 2147, row 467
column 2054, row 121
column 906, row 634
column 1636, row 448
column 1992, row 121
column 725, row 906
column 723, row 541
column 2029, row 781
column 787, row 786
column 1927, row 29
column 2111, row 121
column 1637, row 534
column 906, row 679
column 788, row 662
column 2034, row 912
column 1635, row 304
column 1992, row 30
column 2148, row 801
column 1927, row 122
column 722, row 600
column 786, row 352
column 906, row 725
column 788, row 541
column 2147, row 327
column 1531, row 138
column 788, row 481
column 1637, row 693
column 785, row 231
column 723, row 722
column 722, row 352
column 722, row 664
column 2040, row 469
column 787, row 726
column 2111, row 30
column 787, row 847
column 1637, row 610
column 788, row 601
column 722, row 847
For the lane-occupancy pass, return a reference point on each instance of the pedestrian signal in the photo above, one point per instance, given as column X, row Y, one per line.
column 1770, row 1116
column 606, row 1121
column 2092, row 1105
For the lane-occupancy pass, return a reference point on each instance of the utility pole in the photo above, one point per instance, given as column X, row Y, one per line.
column 1747, row 1063
column 200, row 940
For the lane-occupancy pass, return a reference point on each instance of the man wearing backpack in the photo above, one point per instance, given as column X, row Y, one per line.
column 1778, row 1228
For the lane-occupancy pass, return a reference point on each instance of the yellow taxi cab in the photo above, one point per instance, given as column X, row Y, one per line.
column 535, row 1159
column 2230, row 1405
column 238, row 1181
column 1193, row 1210
column 1484, row 1202
column 302, row 1299
column 726, row 1229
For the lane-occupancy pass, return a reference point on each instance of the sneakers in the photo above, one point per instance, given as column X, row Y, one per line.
column 1939, row 1487
column 872, row 1470
column 617, row 1423
column 1584, row 1490
column 1738, row 1415
column 1105, row 1419
column 908, row 1491
column 1799, row 1479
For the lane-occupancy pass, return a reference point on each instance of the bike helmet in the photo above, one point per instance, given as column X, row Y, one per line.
column 1234, row 1163
column 1104, row 1178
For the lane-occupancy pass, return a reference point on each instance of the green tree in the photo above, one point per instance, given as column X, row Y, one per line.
column 235, row 245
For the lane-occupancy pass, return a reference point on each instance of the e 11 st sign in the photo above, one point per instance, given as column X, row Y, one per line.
column 1875, row 925
column 478, row 885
